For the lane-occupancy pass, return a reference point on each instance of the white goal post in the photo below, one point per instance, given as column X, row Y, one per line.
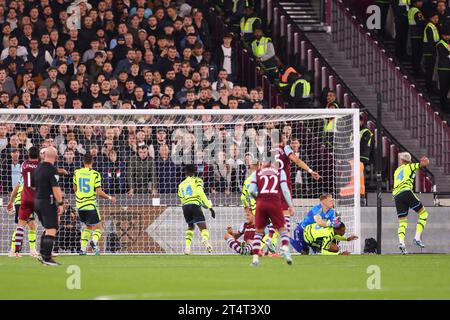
column 140, row 155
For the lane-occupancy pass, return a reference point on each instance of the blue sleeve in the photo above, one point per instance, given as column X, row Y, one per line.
column 285, row 189
column 288, row 150
column 309, row 217
column 253, row 187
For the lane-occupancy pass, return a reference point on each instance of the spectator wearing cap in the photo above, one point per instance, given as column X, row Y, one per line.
column 226, row 57
column 53, row 78
column 114, row 101
column 141, row 176
column 249, row 22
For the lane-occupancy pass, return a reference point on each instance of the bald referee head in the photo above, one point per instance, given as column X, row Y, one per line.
column 50, row 155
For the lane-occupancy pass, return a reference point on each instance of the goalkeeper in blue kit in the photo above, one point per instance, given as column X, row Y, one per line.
column 193, row 198
column 323, row 214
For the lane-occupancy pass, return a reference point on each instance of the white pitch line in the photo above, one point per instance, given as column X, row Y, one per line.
column 149, row 295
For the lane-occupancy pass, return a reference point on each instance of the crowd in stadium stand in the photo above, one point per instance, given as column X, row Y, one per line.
column 104, row 54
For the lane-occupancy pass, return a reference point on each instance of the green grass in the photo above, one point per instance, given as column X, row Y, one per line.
column 227, row 277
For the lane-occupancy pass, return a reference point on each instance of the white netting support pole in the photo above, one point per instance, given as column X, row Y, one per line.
column 357, row 179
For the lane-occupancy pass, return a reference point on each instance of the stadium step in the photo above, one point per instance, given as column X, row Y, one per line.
column 305, row 14
column 364, row 92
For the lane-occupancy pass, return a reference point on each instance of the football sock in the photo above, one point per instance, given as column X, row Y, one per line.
column 287, row 223
column 13, row 241
column 275, row 238
column 96, row 235
column 284, row 238
column 189, row 234
column 402, row 225
column 421, row 223
column 205, row 234
column 256, row 245
column 19, row 238
column 235, row 245
column 85, row 236
column 47, row 246
column 32, row 239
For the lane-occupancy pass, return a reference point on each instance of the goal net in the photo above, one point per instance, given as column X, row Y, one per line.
column 141, row 154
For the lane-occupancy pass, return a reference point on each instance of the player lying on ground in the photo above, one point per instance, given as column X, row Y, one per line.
column 26, row 209
column 323, row 214
column 247, row 230
column 249, row 203
column 87, row 185
column 324, row 239
column 193, row 198
column 405, row 199
column 284, row 155
column 266, row 187
column 14, row 202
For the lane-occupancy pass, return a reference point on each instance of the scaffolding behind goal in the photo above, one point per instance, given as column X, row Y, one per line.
column 140, row 155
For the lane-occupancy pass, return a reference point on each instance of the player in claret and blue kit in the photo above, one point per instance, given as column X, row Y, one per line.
column 268, row 183
column 247, row 230
column 26, row 209
column 284, row 155
column 322, row 213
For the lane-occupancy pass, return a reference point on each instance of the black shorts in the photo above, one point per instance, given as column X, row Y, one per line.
column 407, row 200
column 89, row 217
column 47, row 213
column 16, row 214
column 193, row 214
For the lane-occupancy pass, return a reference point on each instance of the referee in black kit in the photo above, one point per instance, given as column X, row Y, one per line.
column 48, row 203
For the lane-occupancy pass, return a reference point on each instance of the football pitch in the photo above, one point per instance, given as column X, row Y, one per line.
column 227, row 277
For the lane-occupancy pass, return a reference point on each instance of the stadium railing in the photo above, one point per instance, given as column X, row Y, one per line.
column 294, row 48
column 396, row 89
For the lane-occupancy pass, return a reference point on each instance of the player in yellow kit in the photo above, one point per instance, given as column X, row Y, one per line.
column 405, row 199
column 87, row 185
column 324, row 239
column 193, row 198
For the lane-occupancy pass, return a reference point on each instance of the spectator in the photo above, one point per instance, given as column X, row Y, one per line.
column 141, row 175
column 11, row 170
column 168, row 172
column 365, row 139
column 249, row 22
column 6, row 82
column 264, row 52
column 114, row 174
column 416, row 22
column 53, row 79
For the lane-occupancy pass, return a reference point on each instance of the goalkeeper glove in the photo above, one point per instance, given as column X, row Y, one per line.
column 213, row 213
